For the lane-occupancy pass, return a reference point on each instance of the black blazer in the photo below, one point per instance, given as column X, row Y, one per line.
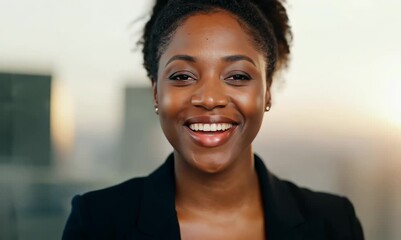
column 144, row 208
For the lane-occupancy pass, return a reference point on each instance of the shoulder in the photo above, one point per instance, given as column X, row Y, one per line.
column 97, row 211
column 313, row 201
column 113, row 212
column 128, row 190
column 114, row 200
column 314, row 214
column 336, row 212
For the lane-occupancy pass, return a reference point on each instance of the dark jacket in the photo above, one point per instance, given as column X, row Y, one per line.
column 144, row 208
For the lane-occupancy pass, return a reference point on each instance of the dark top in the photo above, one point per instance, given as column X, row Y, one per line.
column 144, row 208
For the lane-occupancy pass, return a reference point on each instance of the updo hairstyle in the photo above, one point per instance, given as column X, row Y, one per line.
column 266, row 22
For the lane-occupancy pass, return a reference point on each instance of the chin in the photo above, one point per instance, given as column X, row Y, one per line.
column 210, row 162
column 210, row 165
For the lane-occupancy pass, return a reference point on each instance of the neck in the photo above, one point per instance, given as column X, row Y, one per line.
column 235, row 187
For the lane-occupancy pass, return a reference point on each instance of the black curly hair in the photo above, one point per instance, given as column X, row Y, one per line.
column 266, row 21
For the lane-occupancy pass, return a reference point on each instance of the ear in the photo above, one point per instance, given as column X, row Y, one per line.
column 154, row 91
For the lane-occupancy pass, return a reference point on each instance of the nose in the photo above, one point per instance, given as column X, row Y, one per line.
column 210, row 95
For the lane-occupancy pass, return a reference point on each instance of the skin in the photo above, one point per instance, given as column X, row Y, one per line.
column 217, row 189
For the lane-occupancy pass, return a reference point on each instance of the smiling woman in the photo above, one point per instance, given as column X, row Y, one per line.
column 221, row 81
column 211, row 64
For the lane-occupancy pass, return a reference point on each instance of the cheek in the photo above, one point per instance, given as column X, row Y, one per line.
column 251, row 102
column 166, row 102
column 171, row 102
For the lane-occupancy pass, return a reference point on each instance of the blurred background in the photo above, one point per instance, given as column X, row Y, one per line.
column 76, row 111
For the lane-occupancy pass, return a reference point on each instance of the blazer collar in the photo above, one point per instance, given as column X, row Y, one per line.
column 157, row 215
column 158, row 218
column 281, row 211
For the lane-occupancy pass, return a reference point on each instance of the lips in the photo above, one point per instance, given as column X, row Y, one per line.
column 210, row 131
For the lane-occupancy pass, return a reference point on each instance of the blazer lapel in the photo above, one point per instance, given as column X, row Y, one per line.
column 157, row 217
column 282, row 215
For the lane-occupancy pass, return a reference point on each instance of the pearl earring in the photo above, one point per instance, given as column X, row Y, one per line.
column 157, row 110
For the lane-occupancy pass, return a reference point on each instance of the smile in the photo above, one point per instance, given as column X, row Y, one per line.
column 210, row 127
column 210, row 130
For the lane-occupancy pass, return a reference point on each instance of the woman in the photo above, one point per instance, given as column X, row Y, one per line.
column 211, row 63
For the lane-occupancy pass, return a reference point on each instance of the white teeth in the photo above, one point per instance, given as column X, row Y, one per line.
column 206, row 127
column 213, row 127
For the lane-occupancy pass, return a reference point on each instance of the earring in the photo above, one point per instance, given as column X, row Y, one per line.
column 157, row 110
column 267, row 108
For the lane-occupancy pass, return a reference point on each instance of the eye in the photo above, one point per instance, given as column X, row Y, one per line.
column 238, row 79
column 180, row 77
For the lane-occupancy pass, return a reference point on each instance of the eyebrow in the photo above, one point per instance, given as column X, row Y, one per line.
column 235, row 58
column 231, row 58
column 181, row 57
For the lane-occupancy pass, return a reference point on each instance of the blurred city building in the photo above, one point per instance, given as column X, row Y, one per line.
column 28, row 200
column 25, row 119
column 144, row 146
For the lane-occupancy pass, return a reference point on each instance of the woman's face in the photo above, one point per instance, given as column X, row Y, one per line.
column 211, row 92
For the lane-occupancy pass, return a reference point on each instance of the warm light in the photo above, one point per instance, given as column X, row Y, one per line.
column 62, row 126
column 391, row 109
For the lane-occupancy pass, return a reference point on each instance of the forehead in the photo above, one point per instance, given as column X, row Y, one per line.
column 218, row 31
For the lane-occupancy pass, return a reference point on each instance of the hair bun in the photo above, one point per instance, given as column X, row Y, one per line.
column 276, row 14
